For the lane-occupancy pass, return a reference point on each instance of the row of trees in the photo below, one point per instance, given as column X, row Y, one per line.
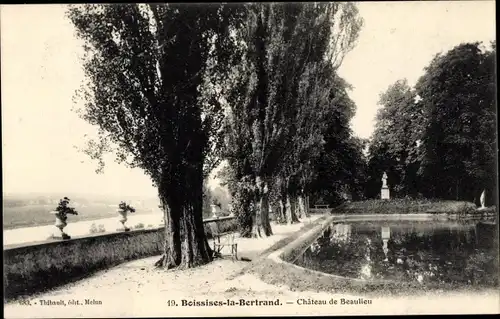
column 438, row 138
column 286, row 95
column 174, row 89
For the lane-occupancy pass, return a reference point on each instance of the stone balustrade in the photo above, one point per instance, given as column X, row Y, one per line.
column 36, row 266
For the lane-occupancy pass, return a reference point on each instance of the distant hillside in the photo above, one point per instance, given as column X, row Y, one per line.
column 15, row 200
column 26, row 210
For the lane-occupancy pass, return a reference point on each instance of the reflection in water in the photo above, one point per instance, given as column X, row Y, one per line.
column 336, row 233
column 423, row 252
column 366, row 269
column 386, row 234
column 341, row 232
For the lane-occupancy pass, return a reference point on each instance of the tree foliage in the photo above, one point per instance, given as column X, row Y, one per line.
column 281, row 93
column 341, row 165
column 438, row 139
column 458, row 99
column 395, row 143
column 154, row 75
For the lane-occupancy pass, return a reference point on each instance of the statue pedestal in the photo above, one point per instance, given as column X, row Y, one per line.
column 384, row 193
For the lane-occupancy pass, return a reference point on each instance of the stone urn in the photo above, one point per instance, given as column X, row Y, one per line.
column 61, row 223
column 123, row 210
column 123, row 218
column 230, row 208
column 482, row 200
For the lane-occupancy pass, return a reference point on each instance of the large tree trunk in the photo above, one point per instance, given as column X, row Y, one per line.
column 293, row 207
column 307, row 206
column 261, row 225
column 243, row 208
column 291, row 217
column 186, row 244
column 281, row 211
column 301, row 206
column 266, row 223
column 172, row 244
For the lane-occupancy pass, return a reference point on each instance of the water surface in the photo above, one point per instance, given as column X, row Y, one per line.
column 428, row 253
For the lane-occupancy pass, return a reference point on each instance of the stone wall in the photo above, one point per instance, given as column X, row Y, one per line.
column 34, row 267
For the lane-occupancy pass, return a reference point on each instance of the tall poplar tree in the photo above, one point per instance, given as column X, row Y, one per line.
column 152, row 72
column 283, row 41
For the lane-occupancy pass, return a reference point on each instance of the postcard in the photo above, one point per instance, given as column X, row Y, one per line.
column 249, row 159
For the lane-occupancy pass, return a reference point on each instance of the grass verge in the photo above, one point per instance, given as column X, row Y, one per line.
column 411, row 206
column 278, row 245
column 301, row 279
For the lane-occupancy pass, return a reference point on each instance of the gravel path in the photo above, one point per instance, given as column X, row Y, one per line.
column 137, row 289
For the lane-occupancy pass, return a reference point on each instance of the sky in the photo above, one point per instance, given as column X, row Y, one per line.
column 41, row 70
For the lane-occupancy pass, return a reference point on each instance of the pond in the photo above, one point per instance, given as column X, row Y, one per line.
column 425, row 253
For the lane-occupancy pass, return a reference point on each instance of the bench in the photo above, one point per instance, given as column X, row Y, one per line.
column 321, row 206
column 223, row 239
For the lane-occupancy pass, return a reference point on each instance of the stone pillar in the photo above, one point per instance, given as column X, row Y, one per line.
column 214, row 211
column 384, row 192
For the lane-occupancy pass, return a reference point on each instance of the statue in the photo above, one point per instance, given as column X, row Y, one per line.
column 384, row 193
column 216, row 206
column 482, row 199
column 123, row 210
column 61, row 214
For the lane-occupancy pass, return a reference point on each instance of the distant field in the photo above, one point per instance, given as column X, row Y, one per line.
column 39, row 215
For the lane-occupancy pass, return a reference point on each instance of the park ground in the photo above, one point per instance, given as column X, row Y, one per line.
column 138, row 289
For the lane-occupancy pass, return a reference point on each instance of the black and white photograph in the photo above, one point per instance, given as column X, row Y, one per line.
column 249, row 159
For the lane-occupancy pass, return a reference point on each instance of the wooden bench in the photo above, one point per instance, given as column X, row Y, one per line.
column 223, row 239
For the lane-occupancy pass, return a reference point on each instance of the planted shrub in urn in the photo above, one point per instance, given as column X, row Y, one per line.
column 61, row 213
column 123, row 210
